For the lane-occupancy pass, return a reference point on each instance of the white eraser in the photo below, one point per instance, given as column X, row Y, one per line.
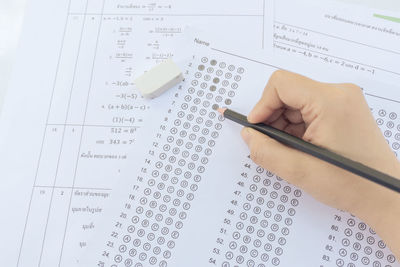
column 159, row 79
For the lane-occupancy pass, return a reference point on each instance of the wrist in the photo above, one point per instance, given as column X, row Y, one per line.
column 383, row 215
column 379, row 202
column 387, row 225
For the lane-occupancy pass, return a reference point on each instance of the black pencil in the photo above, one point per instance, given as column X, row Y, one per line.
column 316, row 151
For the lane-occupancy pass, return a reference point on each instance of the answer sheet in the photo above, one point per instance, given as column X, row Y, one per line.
column 71, row 116
column 196, row 199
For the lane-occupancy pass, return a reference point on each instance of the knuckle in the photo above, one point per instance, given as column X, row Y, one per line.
column 277, row 75
column 353, row 89
column 353, row 95
column 343, row 97
column 353, row 86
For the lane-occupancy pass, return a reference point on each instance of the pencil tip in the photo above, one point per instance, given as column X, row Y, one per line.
column 221, row 110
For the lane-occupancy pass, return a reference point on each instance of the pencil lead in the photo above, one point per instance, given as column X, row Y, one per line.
column 221, row 110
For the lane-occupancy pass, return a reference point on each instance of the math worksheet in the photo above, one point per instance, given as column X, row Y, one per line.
column 70, row 119
column 197, row 199
column 346, row 36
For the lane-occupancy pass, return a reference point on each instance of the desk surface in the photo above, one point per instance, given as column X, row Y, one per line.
column 11, row 18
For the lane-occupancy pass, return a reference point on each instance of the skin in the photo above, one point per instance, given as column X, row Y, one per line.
column 336, row 117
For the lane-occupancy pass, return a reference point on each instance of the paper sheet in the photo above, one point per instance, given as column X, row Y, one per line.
column 69, row 126
column 345, row 36
column 196, row 199
column 71, row 115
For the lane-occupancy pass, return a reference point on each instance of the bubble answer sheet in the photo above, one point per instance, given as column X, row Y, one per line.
column 71, row 115
column 196, row 198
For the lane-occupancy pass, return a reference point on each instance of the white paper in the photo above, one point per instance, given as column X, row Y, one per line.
column 196, row 199
column 342, row 35
column 91, row 57
column 70, row 119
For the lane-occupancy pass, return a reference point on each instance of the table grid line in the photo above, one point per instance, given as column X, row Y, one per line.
column 92, row 125
column 70, row 187
column 167, row 15
column 44, row 136
column 63, row 134
column 83, row 130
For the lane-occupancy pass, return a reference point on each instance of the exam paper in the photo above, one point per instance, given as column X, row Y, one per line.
column 196, row 199
column 344, row 36
column 69, row 127
column 71, row 116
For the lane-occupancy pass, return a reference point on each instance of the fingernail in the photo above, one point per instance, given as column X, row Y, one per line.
column 250, row 116
column 246, row 134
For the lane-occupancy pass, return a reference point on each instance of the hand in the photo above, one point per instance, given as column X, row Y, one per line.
column 336, row 117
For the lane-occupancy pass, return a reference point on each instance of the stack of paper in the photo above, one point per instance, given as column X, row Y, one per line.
column 95, row 175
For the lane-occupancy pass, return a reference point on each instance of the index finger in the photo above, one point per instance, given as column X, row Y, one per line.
column 284, row 90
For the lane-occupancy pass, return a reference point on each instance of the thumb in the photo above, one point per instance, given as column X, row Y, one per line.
column 286, row 162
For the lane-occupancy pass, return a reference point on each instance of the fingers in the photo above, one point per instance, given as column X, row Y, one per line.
column 286, row 162
column 275, row 115
column 297, row 130
column 294, row 126
column 294, row 116
column 280, row 123
column 284, row 89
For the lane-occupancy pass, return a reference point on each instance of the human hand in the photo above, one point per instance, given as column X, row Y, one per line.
column 336, row 117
